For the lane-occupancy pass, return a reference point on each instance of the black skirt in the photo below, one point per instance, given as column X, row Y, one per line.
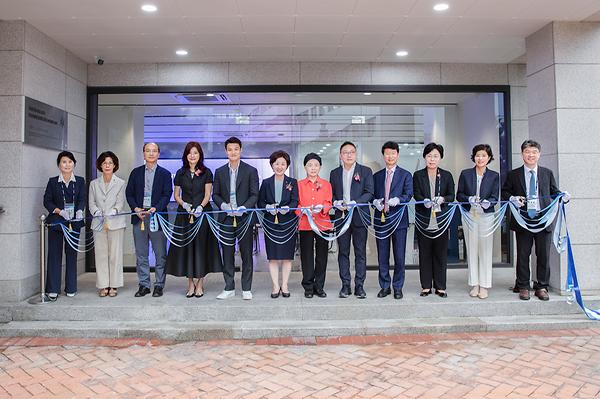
column 199, row 257
column 281, row 231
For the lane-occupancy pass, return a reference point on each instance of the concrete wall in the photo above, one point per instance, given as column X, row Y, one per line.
column 563, row 74
column 35, row 66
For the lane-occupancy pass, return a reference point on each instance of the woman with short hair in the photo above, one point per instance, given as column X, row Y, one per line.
column 278, row 194
column 478, row 189
column 106, row 202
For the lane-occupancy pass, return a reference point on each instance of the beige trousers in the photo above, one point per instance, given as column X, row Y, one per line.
column 479, row 250
column 108, row 246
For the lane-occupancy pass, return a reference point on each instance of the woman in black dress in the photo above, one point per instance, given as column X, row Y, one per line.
column 278, row 194
column 193, row 185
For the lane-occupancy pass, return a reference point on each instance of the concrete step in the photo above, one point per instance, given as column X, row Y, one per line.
column 262, row 329
column 173, row 306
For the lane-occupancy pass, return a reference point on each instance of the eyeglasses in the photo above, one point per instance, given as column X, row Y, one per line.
column 348, row 153
column 108, row 163
column 151, row 151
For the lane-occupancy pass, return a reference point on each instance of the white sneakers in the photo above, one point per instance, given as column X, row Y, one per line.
column 226, row 294
column 246, row 295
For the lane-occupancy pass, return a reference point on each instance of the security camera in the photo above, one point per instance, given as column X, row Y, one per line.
column 99, row 60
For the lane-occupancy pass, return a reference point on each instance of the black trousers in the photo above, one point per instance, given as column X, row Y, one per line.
column 525, row 240
column 314, row 267
column 433, row 260
column 56, row 242
column 358, row 235
column 245, row 244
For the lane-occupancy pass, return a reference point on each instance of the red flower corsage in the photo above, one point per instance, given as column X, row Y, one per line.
column 198, row 172
column 318, row 186
column 289, row 186
column 356, row 177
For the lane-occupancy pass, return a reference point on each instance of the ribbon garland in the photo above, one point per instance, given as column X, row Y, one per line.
column 281, row 232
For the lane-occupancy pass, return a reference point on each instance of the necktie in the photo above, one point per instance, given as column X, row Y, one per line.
column 532, row 192
column 388, row 185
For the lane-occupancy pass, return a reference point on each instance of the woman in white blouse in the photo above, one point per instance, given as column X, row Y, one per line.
column 106, row 201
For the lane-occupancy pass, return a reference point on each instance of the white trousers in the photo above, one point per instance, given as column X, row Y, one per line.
column 108, row 247
column 479, row 250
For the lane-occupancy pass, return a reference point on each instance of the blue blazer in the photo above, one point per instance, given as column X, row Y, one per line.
column 361, row 190
column 53, row 198
column 289, row 197
column 489, row 189
column 401, row 187
column 162, row 189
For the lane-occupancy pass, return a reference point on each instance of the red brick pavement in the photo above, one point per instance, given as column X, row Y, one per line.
column 546, row 364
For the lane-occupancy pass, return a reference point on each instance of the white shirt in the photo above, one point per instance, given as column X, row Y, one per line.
column 347, row 176
column 528, row 176
column 71, row 179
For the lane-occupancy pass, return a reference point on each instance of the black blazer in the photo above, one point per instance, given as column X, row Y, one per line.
column 289, row 197
column 53, row 198
column 162, row 189
column 444, row 187
column 515, row 186
column 246, row 192
column 401, row 187
column 361, row 190
column 489, row 189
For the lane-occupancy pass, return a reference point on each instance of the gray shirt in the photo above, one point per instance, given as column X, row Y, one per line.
column 347, row 176
column 232, row 185
column 149, row 179
column 433, row 225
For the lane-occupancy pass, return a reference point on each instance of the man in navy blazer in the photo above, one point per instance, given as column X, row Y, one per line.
column 235, row 189
column 149, row 190
column 393, row 186
column 352, row 184
column 531, row 188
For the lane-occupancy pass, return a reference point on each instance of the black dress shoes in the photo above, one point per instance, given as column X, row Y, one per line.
column 425, row 292
column 441, row 294
column 285, row 294
column 321, row 294
column 142, row 291
column 360, row 293
column 398, row 294
column 158, row 291
column 384, row 292
column 345, row 292
column 308, row 294
column 276, row 295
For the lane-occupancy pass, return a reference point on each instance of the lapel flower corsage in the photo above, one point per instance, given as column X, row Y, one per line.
column 198, row 172
column 318, row 186
column 289, row 186
column 357, row 177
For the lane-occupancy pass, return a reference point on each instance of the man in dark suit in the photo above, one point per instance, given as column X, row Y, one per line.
column 352, row 183
column 531, row 188
column 393, row 186
column 235, row 190
column 149, row 190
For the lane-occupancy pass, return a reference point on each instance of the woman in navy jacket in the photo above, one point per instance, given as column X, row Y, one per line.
column 480, row 187
column 278, row 194
column 64, row 199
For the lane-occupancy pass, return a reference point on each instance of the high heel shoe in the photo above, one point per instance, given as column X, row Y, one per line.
column 190, row 293
column 276, row 295
column 198, row 294
column 425, row 293
column 441, row 294
column 285, row 294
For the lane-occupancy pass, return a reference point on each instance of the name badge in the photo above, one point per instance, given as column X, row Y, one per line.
column 70, row 208
column 147, row 200
column 533, row 203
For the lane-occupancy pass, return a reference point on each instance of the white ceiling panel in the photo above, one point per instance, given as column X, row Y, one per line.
column 318, row 39
column 268, row 24
column 314, row 53
column 366, row 39
column 359, row 24
column 325, row 7
column 305, row 30
column 383, row 7
column 424, row 8
column 321, row 24
column 266, row 7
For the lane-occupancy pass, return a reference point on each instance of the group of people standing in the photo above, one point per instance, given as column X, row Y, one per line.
column 235, row 190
